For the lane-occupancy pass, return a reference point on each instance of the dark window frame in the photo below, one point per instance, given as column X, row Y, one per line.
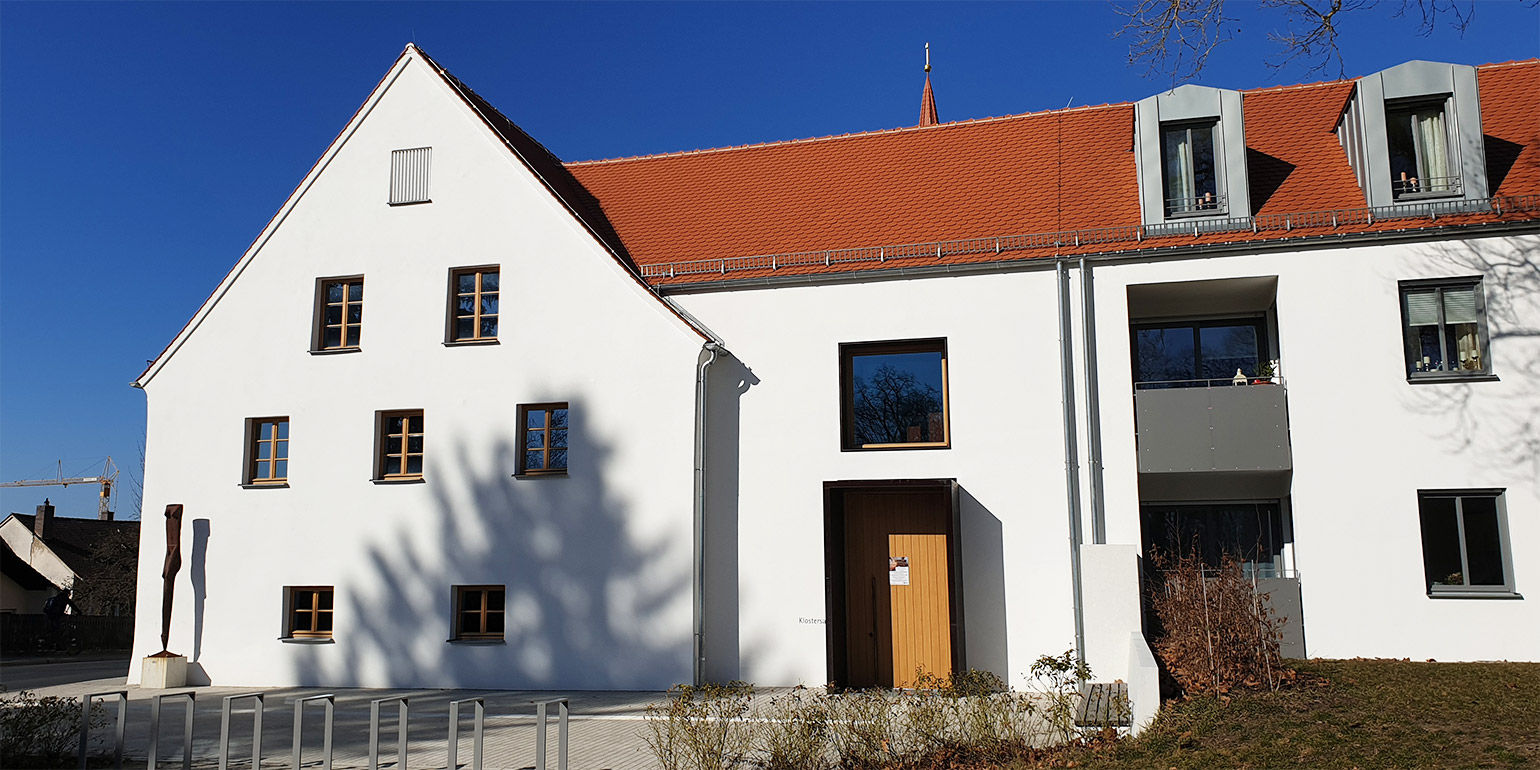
column 1422, row 186
column 411, row 418
column 1504, row 544
column 546, row 469
column 291, row 608
column 482, row 614
column 1260, row 321
column 849, row 351
column 319, row 325
column 1410, row 341
column 1216, row 204
column 453, row 314
column 254, row 440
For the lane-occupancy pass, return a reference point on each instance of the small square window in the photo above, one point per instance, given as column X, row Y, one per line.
column 1190, row 170
column 1465, row 542
column 544, row 431
column 1445, row 329
column 339, row 313
column 400, row 439
column 1418, row 141
column 308, row 611
column 473, row 293
column 893, row 395
column 409, row 175
column 478, row 612
column 267, row 450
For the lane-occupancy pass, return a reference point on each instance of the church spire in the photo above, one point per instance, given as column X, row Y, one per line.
column 928, row 99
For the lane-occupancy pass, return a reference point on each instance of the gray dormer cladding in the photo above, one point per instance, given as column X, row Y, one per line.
column 1196, row 106
column 1365, row 135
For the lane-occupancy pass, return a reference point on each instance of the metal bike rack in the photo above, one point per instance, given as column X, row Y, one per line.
column 85, row 724
column 329, row 701
column 256, row 730
column 454, row 732
column 374, row 732
column 542, row 726
column 187, row 728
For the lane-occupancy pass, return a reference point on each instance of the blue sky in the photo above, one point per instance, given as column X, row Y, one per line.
column 143, row 145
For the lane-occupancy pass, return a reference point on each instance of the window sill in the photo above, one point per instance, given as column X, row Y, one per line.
column 1413, row 197
column 470, row 343
column 279, row 485
column 1198, row 214
column 1448, row 377
column 1475, row 595
column 477, row 642
column 307, row 640
column 541, row 475
column 404, row 480
column 334, row 351
column 408, row 203
column 897, row 447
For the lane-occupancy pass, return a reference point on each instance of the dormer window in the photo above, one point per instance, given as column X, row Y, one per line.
column 1419, row 151
column 1190, row 149
column 1189, row 171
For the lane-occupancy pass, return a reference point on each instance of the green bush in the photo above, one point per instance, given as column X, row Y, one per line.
column 41, row 732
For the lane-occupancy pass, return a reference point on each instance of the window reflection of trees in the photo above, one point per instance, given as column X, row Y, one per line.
column 894, row 407
column 1250, row 532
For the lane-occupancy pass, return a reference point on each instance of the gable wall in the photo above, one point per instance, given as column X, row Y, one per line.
column 594, row 563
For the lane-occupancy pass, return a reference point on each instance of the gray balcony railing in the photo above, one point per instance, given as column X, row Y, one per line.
column 1212, row 425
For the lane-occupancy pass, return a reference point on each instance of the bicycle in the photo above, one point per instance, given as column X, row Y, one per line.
column 64, row 638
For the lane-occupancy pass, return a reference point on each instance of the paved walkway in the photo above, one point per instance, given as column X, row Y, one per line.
column 606, row 727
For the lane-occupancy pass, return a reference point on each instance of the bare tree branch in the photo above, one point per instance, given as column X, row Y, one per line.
column 1429, row 11
column 1310, row 33
column 1174, row 36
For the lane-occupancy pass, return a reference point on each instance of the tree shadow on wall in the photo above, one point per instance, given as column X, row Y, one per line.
column 1500, row 423
column 589, row 605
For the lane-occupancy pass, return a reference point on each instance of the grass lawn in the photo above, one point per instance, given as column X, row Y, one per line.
column 1365, row 714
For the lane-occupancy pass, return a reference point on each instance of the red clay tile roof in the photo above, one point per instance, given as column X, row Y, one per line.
column 928, row 105
column 985, row 179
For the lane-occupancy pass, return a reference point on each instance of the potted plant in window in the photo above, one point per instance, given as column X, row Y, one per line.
column 1266, row 371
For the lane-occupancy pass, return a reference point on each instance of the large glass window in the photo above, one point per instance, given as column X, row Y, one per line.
column 1419, row 151
column 1445, row 328
column 1464, row 542
column 1193, row 353
column 893, row 394
column 1189, row 170
column 1251, row 532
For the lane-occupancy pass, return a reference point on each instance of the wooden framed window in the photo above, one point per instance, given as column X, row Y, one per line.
column 545, row 439
column 473, row 293
column 339, row 320
column 893, row 395
column 478, row 612
column 267, row 450
column 309, row 611
column 400, row 445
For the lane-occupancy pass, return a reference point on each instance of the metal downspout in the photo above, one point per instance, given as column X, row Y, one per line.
column 1093, row 408
column 1071, row 461
column 708, row 356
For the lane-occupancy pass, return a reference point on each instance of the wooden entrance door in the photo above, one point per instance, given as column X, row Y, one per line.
column 898, row 613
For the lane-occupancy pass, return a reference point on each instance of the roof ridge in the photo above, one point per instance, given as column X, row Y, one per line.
column 1509, row 63
column 850, row 135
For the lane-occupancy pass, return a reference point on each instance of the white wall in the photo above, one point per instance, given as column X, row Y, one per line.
column 1365, row 440
column 1006, row 454
column 596, row 565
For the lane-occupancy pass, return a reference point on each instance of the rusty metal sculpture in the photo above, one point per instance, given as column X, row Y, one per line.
column 168, row 572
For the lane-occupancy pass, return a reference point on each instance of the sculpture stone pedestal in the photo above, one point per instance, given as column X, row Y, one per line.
column 164, row 670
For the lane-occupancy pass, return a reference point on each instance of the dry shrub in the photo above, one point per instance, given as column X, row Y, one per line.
column 1217, row 631
column 701, row 728
column 794, row 734
column 42, row 732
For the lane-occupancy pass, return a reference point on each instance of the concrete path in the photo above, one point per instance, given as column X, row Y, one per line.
column 606, row 727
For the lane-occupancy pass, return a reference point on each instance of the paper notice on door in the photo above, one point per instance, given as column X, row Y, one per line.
column 898, row 570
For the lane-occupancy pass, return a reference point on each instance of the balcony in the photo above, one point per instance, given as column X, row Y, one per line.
column 1212, row 426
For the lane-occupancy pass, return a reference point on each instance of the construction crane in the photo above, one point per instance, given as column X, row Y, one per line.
column 108, row 479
